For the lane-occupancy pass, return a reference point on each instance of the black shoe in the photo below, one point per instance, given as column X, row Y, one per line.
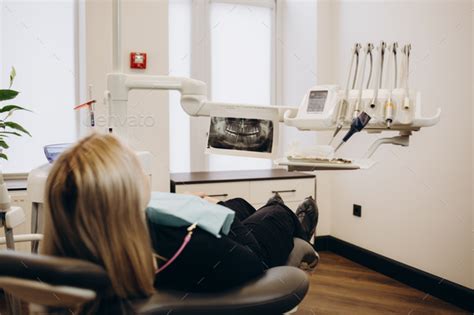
column 308, row 214
column 276, row 199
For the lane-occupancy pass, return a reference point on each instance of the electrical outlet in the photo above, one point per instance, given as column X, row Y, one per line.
column 357, row 210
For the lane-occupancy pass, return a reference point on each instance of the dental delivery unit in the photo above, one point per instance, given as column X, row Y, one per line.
column 366, row 103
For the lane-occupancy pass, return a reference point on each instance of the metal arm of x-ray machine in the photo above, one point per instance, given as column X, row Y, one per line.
column 193, row 96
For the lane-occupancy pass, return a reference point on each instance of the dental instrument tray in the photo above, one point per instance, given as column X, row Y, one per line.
column 316, row 164
column 309, row 159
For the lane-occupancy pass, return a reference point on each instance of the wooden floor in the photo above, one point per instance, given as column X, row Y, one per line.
column 340, row 286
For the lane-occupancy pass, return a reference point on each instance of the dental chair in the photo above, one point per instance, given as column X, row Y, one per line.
column 63, row 283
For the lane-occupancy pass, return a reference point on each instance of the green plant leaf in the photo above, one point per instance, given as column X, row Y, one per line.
column 8, row 108
column 3, row 144
column 4, row 133
column 14, row 125
column 12, row 76
column 3, row 156
column 8, row 94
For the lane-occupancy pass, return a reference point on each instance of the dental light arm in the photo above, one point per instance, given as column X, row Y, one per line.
column 193, row 96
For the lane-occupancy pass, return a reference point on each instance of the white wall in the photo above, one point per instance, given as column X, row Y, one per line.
column 145, row 29
column 417, row 204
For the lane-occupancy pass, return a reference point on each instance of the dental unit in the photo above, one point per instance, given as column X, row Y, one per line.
column 378, row 103
column 322, row 108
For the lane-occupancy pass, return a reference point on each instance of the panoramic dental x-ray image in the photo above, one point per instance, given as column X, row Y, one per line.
column 242, row 134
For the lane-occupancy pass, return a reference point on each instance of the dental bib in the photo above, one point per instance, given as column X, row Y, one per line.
column 179, row 210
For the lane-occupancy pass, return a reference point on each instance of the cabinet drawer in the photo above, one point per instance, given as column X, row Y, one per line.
column 222, row 191
column 289, row 189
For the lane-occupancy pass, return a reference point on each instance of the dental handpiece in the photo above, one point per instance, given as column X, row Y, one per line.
column 361, row 83
column 406, row 51
column 388, row 110
column 357, row 125
column 342, row 108
column 395, row 65
column 378, row 82
column 370, row 48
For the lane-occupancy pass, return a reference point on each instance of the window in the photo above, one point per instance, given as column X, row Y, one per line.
column 231, row 46
column 38, row 39
column 241, row 64
column 241, row 50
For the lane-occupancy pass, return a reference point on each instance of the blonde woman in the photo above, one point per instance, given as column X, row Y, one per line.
column 95, row 200
column 95, row 196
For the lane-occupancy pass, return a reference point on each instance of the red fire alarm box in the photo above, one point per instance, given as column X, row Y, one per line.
column 137, row 60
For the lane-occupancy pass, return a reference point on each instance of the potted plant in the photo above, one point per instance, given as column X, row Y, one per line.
column 7, row 126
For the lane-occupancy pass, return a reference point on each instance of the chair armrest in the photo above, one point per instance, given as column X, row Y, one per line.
column 278, row 291
column 37, row 292
column 23, row 238
column 53, row 270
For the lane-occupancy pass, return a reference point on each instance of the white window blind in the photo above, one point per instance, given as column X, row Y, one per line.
column 37, row 38
column 241, row 64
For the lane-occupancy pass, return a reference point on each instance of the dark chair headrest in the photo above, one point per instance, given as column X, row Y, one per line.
column 53, row 270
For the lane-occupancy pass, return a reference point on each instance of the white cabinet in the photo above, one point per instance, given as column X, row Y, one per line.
column 254, row 186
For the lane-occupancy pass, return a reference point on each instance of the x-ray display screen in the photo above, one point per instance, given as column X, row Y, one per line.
column 316, row 101
column 243, row 134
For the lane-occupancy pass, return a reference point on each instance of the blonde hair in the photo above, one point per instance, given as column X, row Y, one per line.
column 96, row 194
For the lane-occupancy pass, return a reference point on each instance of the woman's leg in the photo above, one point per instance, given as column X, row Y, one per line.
column 242, row 208
column 239, row 232
column 274, row 226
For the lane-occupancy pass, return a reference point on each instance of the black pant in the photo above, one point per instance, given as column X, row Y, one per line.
column 268, row 232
